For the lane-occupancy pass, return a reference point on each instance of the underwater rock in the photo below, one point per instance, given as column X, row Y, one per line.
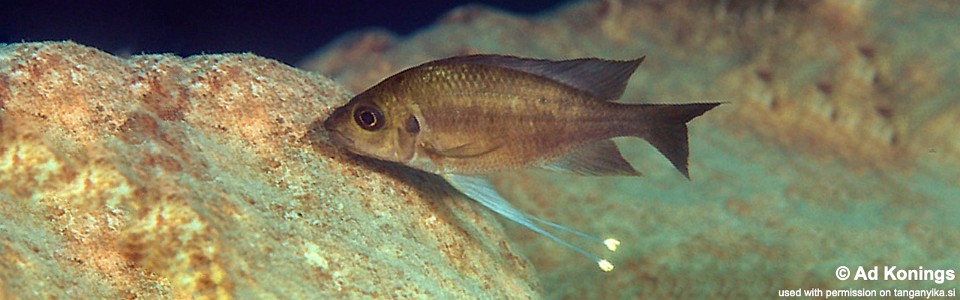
column 165, row 177
column 838, row 145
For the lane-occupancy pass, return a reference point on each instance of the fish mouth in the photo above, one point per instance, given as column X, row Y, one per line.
column 335, row 136
column 340, row 140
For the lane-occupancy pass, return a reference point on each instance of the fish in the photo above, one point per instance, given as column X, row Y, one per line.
column 466, row 117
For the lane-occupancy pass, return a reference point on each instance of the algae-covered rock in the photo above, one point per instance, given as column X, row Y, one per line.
column 165, row 177
column 838, row 145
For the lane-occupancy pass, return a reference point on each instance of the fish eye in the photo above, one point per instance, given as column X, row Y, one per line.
column 368, row 117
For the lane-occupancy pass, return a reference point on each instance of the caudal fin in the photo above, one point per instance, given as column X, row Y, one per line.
column 665, row 127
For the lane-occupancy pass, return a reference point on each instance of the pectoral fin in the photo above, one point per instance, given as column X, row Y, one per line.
column 467, row 150
column 597, row 159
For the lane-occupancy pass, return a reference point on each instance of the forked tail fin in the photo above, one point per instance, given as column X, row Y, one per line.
column 665, row 127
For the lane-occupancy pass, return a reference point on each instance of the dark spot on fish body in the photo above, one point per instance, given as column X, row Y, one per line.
column 412, row 125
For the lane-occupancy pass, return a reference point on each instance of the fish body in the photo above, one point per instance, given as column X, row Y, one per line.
column 483, row 114
column 466, row 116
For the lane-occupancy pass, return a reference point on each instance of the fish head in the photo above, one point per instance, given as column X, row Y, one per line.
column 375, row 124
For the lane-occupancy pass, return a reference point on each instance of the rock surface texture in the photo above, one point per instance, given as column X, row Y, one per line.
column 206, row 177
column 838, row 147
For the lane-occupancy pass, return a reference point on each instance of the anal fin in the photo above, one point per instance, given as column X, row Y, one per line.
column 601, row 158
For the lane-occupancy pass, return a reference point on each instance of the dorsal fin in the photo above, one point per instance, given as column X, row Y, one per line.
column 604, row 79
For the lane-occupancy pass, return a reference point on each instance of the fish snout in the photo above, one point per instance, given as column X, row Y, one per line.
column 330, row 124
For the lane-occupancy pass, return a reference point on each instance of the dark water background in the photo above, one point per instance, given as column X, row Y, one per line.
column 282, row 30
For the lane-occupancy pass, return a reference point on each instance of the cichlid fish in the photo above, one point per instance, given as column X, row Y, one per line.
column 463, row 117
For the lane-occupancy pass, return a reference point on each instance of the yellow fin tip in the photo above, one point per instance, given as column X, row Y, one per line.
column 605, row 265
column 611, row 244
